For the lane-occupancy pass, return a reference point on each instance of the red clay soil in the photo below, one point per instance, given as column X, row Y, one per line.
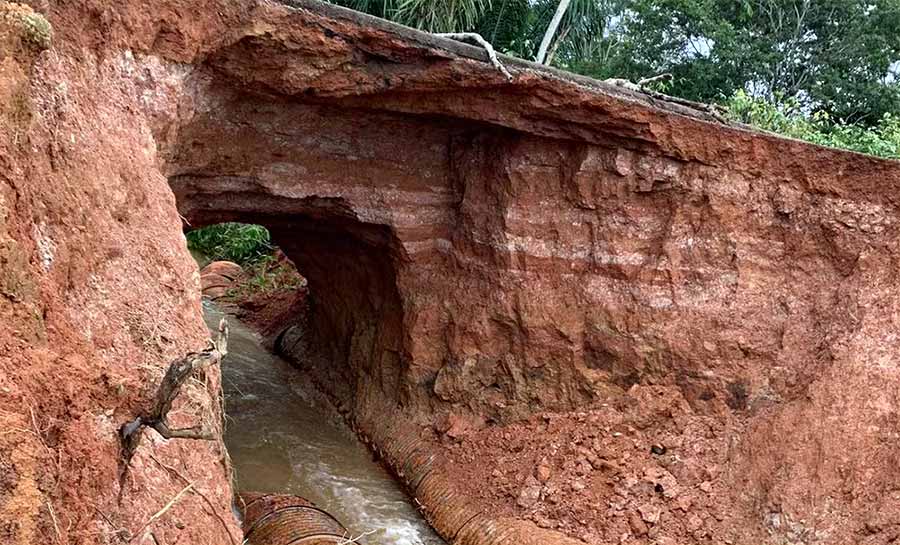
column 269, row 308
column 97, row 296
column 646, row 471
column 268, row 311
column 643, row 470
column 543, row 268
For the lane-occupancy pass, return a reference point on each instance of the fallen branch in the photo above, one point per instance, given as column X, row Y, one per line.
column 177, row 374
column 713, row 110
column 475, row 37
column 647, row 81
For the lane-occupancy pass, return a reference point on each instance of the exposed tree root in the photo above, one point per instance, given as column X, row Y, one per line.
column 162, row 511
column 157, row 418
column 475, row 37
column 212, row 508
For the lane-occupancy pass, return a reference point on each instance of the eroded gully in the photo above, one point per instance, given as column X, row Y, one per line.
column 281, row 442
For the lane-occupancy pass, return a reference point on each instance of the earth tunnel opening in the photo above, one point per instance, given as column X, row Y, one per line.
column 345, row 332
column 288, row 449
column 242, row 270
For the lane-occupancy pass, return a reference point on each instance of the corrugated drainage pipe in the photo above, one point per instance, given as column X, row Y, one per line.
column 279, row 519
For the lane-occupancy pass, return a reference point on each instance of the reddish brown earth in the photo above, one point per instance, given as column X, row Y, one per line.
column 268, row 296
column 520, row 269
column 97, row 295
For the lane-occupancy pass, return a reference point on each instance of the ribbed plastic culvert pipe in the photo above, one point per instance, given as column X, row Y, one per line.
column 279, row 519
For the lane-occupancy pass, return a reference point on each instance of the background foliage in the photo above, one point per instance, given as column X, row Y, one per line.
column 827, row 71
column 239, row 242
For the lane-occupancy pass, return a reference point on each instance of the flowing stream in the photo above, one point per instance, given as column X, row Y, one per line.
column 280, row 442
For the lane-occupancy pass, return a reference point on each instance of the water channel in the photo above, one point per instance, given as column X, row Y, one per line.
column 280, row 442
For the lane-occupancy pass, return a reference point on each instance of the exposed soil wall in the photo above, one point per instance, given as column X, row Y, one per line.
column 98, row 295
column 537, row 274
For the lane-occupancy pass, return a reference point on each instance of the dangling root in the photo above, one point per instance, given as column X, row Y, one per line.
column 178, row 373
column 475, row 37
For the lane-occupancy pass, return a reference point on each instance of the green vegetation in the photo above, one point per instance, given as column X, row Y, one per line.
column 38, row 30
column 826, row 71
column 265, row 269
column 787, row 118
column 433, row 16
column 32, row 26
column 239, row 242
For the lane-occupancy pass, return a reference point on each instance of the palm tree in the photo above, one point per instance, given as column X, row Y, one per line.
column 551, row 30
column 428, row 15
column 567, row 29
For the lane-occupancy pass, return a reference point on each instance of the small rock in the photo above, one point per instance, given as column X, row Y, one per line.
column 496, row 473
column 552, row 496
column 577, row 485
column 694, row 523
column 543, row 471
column 458, row 426
column 637, row 524
column 617, row 503
column 663, row 481
column 583, row 468
column 530, row 493
column 650, row 513
column 658, row 450
column 630, row 482
column 706, row 486
column 607, row 466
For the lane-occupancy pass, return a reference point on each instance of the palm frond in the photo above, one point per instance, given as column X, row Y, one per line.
column 505, row 24
column 442, row 16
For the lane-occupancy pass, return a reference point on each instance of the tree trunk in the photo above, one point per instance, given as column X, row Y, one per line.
column 551, row 30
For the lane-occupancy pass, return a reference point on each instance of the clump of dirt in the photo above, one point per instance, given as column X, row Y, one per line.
column 644, row 469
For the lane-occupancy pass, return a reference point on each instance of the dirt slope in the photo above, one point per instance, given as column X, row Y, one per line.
column 97, row 295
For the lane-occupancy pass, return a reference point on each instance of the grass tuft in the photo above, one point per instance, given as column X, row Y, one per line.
column 239, row 242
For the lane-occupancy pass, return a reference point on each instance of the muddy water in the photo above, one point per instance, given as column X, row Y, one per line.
column 280, row 442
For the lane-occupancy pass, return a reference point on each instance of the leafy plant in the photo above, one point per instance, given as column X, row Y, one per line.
column 238, row 242
column 443, row 16
column 789, row 119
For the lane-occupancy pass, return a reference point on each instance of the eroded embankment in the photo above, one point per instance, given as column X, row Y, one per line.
column 546, row 257
column 97, row 295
